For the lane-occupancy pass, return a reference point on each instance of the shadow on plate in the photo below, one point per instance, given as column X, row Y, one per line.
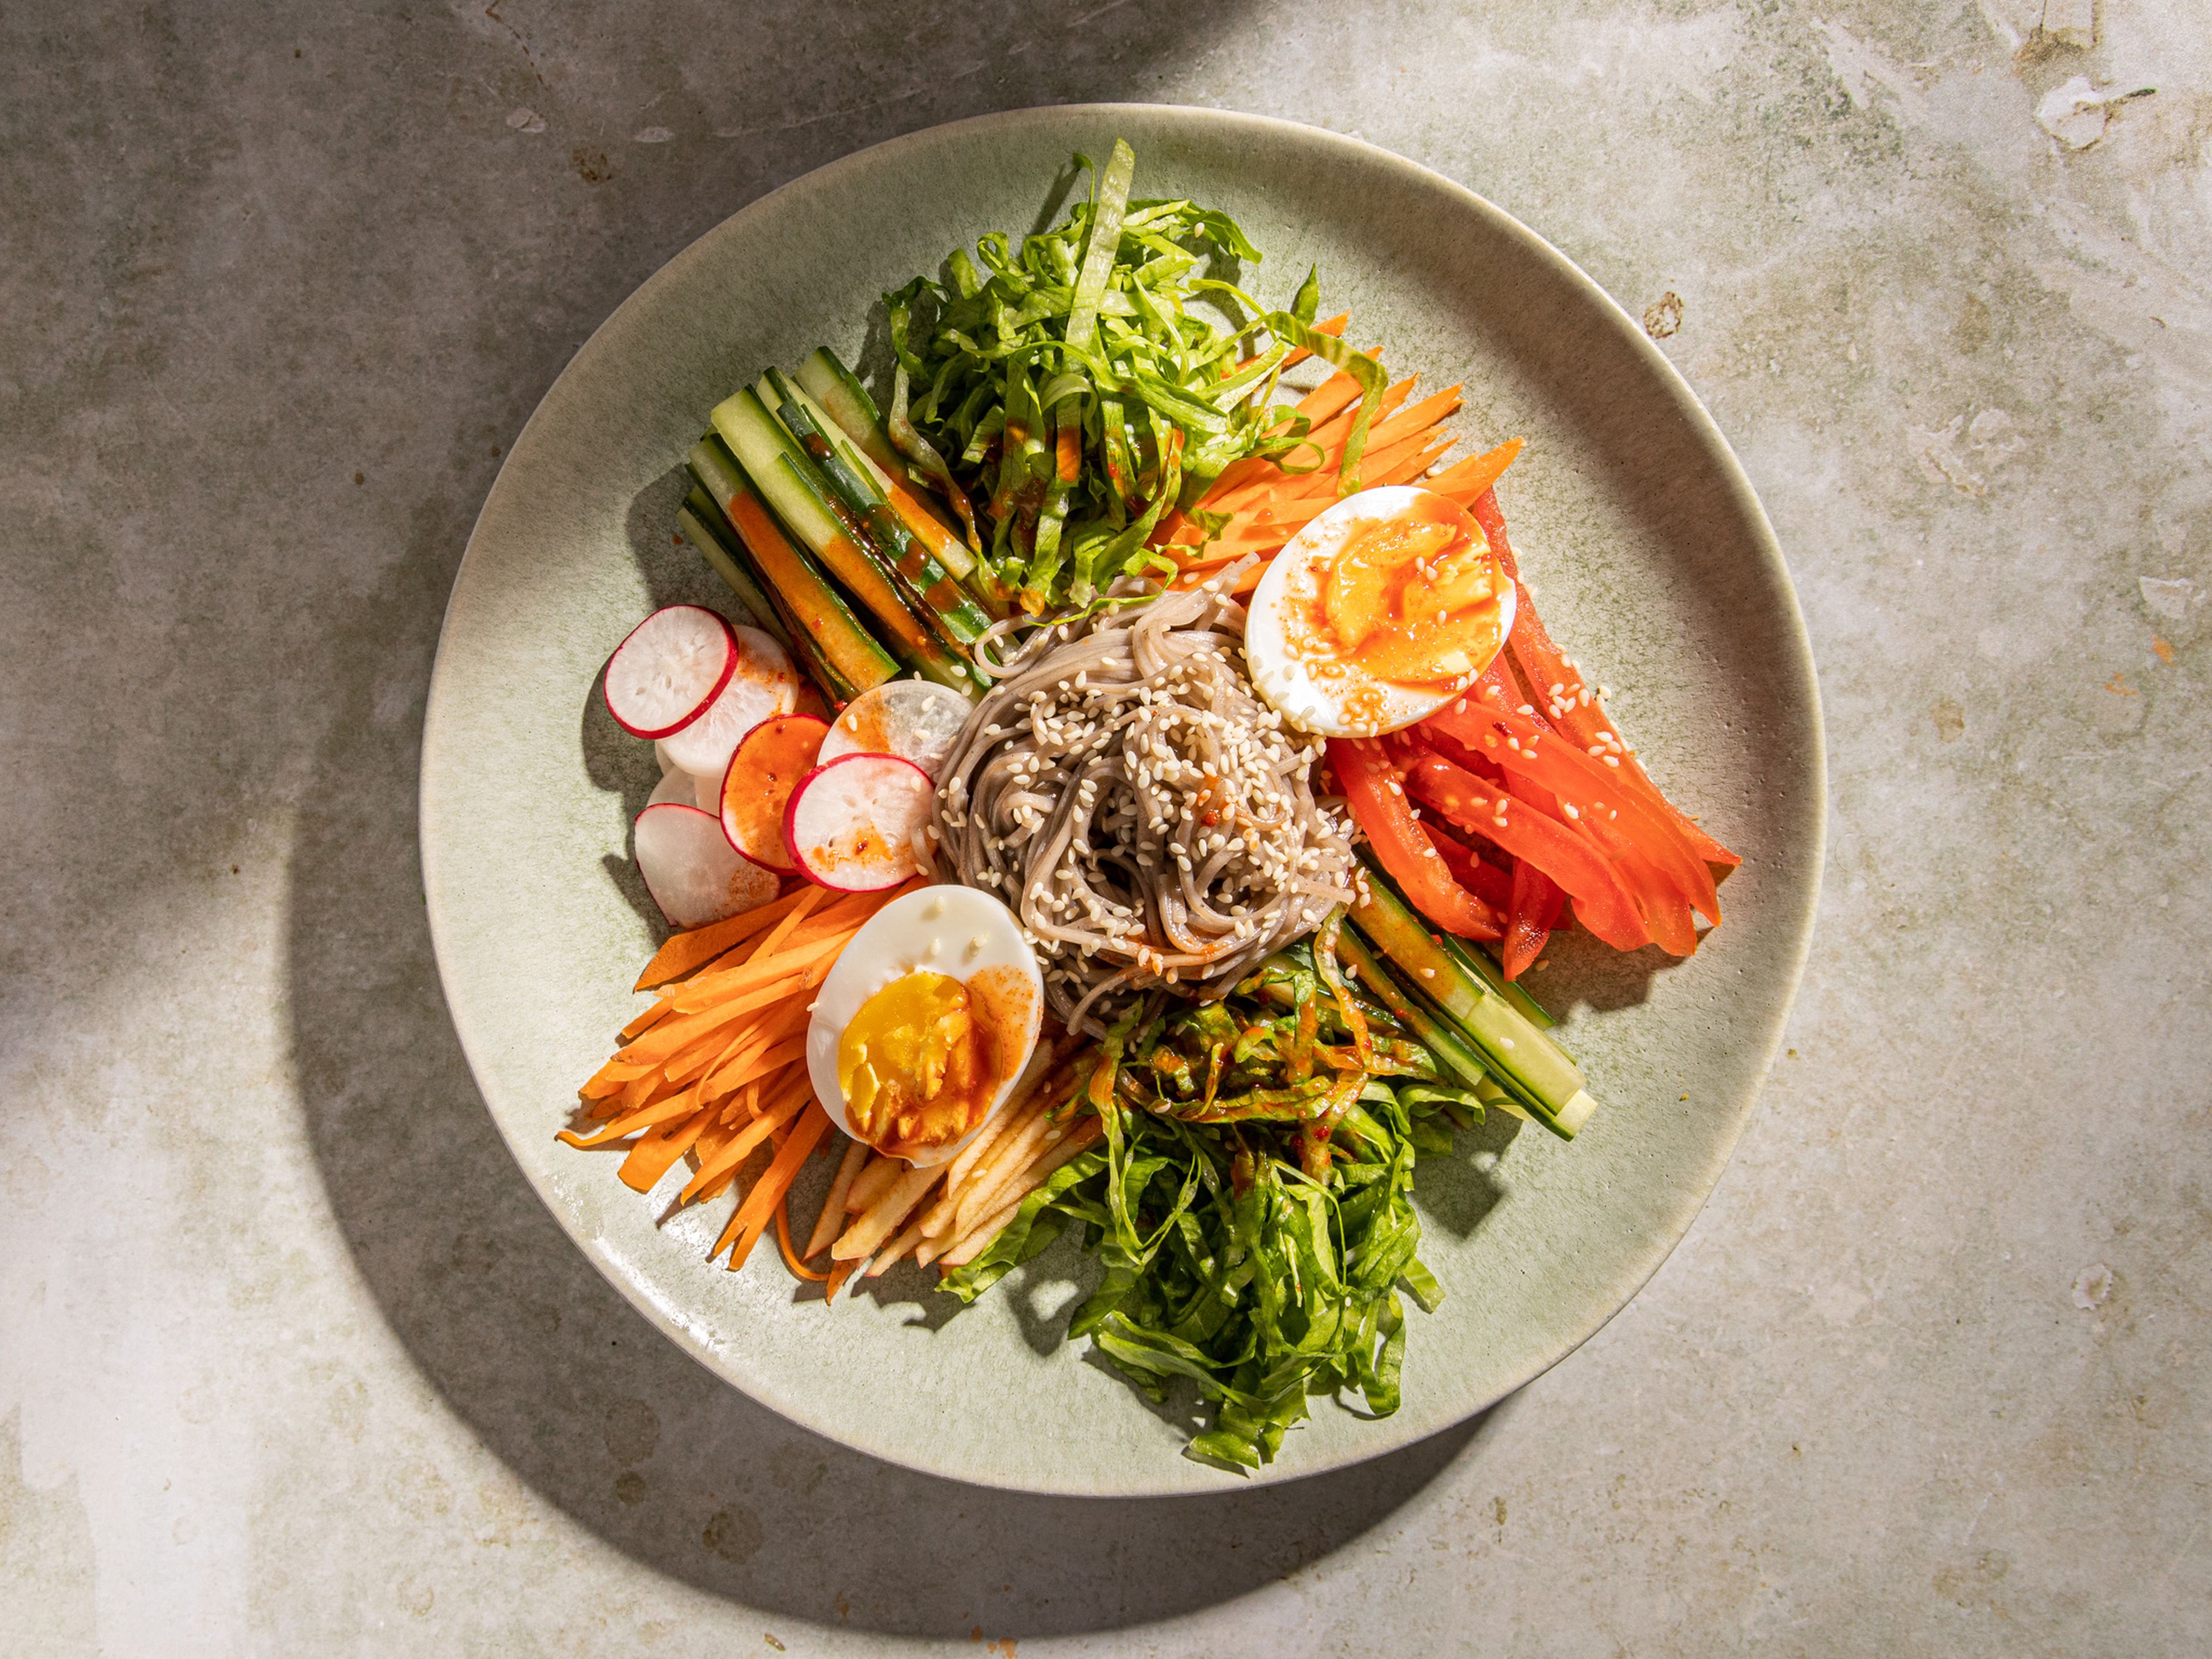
column 557, row 1375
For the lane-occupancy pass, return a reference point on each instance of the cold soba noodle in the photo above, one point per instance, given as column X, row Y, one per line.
column 1148, row 817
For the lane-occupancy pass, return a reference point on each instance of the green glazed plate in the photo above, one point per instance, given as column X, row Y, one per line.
column 1638, row 532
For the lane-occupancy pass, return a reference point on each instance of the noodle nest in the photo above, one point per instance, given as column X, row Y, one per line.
column 1150, row 820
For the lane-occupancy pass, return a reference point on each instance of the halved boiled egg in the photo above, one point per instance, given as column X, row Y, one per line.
column 925, row 1024
column 1378, row 613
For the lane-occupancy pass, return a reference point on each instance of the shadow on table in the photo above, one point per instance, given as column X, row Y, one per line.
column 549, row 1368
column 580, row 1397
column 587, row 1403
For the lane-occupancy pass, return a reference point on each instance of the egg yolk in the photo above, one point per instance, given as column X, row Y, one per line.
column 919, row 1063
column 1412, row 600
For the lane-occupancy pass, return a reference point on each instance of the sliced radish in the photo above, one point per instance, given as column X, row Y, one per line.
column 670, row 670
column 674, row 785
column 767, row 767
column 762, row 685
column 706, row 795
column 917, row 721
column 689, row 867
column 856, row 824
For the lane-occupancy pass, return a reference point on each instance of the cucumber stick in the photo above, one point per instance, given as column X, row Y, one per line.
column 943, row 541
column 790, row 483
column 706, row 528
column 1434, row 1031
column 811, row 607
column 927, row 581
column 1513, row 1049
column 833, row 386
column 702, row 526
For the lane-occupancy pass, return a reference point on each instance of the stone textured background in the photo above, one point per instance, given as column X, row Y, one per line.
column 290, row 1360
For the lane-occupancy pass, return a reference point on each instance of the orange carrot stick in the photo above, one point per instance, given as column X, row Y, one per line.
column 783, row 1242
column 713, row 990
column 724, row 1158
column 657, row 1149
column 1470, row 477
column 752, row 1215
column 700, row 945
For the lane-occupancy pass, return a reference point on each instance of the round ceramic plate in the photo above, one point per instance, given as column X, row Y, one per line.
column 1639, row 536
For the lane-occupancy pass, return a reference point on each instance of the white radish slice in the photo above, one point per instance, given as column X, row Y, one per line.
column 917, row 721
column 762, row 685
column 670, row 670
column 660, row 755
column 674, row 785
column 689, row 867
column 855, row 824
column 706, row 795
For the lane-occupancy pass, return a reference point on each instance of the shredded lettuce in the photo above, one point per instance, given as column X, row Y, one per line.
column 1080, row 399
column 1251, row 1201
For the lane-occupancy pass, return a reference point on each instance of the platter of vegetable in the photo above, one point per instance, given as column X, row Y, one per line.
column 1632, row 520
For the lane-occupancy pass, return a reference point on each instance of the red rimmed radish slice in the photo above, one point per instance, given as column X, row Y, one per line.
column 853, row 823
column 670, row 670
column 917, row 721
column 689, row 867
column 768, row 764
column 762, row 686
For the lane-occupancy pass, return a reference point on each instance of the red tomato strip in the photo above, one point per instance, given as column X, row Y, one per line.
column 1372, row 788
column 1492, row 885
column 1602, row 902
column 1522, row 748
column 1537, row 904
column 1542, row 665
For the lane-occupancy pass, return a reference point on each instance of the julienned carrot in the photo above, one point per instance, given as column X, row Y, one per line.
column 657, row 1150
column 684, row 951
column 783, row 1242
column 802, row 907
column 1328, row 435
column 1324, row 403
column 759, row 1062
column 1469, row 478
column 716, row 991
column 752, row 1216
column 779, row 1111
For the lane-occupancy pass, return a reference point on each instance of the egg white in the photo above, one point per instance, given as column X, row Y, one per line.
column 947, row 930
column 1288, row 589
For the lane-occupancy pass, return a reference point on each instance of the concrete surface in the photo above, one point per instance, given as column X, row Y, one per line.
column 290, row 1360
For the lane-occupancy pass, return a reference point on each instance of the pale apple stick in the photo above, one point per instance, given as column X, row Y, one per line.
column 1080, row 1138
column 872, row 1183
column 971, row 1244
column 896, row 1252
column 833, row 1207
column 958, row 1182
column 881, row 1218
column 1005, row 1163
column 1037, row 1084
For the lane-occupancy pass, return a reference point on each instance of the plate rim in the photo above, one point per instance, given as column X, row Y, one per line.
column 1636, row 1272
